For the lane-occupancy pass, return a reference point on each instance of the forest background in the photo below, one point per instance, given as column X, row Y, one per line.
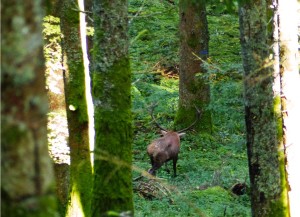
column 213, row 173
column 209, row 165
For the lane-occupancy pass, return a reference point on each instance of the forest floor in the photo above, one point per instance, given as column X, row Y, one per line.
column 208, row 165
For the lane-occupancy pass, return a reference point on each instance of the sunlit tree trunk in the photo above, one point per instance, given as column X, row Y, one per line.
column 193, row 85
column 27, row 181
column 290, row 89
column 86, row 31
column 56, row 99
column 77, row 115
column 263, row 120
column 111, row 81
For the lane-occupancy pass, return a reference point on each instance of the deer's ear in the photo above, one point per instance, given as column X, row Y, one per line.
column 163, row 132
column 181, row 134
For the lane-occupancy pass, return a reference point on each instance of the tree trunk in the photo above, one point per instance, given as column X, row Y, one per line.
column 57, row 120
column 290, row 87
column 77, row 116
column 26, row 170
column 88, row 5
column 264, row 131
column 193, row 85
column 111, row 81
column 62, row 178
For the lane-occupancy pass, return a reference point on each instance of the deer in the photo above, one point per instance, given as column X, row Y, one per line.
column 166, row 148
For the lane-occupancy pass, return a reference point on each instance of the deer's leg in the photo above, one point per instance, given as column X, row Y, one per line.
column 151, row 161
column 155, row 166
column 174, row 165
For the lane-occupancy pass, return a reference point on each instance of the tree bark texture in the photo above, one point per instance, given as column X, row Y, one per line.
column 27, row 181
column 57, row 136
column 111, row 82
column 77, row 116
column 290, row 92
column 193, row 86
column 264, row 131
column 62, row 178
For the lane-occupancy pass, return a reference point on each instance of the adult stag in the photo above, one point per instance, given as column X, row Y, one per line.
column 167, row 147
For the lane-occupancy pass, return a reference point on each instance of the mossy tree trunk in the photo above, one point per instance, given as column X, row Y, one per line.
column 193, row 86
column 263, row 120
column 27, row 181
column 77, row 116
column 111, row 81
column 290, row 90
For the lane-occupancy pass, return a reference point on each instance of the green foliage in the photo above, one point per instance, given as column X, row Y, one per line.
column 150, row 24
column 208, row 165
column 224, row 36
column 220, row 7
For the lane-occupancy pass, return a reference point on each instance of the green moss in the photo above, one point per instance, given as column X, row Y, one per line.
column 113, row 138
column 280, row 206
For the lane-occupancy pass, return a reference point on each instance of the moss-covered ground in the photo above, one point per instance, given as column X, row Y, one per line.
column 208, row 165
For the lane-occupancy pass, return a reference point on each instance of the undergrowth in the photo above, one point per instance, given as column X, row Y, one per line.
column 208, row 165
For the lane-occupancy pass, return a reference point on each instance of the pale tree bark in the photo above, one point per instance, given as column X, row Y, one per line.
column 77, row 113
column 57, row 136
column 27, row 181
column 111, row 83
column 290, row 90
column 194, row 88
column 263, row 118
